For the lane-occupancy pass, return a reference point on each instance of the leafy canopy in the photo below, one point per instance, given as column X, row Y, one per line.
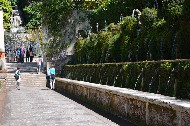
column 7, row 10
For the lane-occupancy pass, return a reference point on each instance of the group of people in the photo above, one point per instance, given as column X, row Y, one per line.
column 50, row 77
column 21, row 52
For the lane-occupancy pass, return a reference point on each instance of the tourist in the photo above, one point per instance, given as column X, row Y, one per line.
column 63, row 55
column 27, row 55
column 52, row 77
column 48, row 78
column 22, row 54
column 31, row 56
column 18, row 78
column 30, row 48
column 18, row 54
column 39, row 64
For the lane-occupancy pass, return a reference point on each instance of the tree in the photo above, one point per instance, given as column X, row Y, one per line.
column 34, row 15
column 7, row 9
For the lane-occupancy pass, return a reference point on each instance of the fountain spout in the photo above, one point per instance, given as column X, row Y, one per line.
column 171, row 77
column 153, row 78
column 140, row 75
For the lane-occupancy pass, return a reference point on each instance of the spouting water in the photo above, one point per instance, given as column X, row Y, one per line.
column 121, row 17
column 106, row 57
column 161, row 49
column 153, row 78
column 105, row 25
column 155, row 4
column 117, row 76
column 174, row 47
column 140, row 75
column 137, row 51
column 171, row 75
column 68, row 75
column 129, row 55
column 148, row 54
column 97, row 25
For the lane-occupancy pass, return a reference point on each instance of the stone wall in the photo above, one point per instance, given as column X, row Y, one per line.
column 139, row 107
column 2, row 94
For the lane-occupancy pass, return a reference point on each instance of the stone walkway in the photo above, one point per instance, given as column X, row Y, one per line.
column 35, row 106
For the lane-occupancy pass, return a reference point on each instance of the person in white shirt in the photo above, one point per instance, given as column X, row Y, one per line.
column 39, row 64
column 52, row 77
column 18, row 78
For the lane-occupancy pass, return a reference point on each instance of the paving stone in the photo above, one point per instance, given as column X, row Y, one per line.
column 32, row 106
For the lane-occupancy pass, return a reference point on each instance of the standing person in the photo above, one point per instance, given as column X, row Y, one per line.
column 48, row 78
column 27, row 55
column 11, row 55
column 18, row 78
column 31, row 56
column 30, row 48
column 22, row 54
column 39, row 64
column 18, row 54
column 52, row 77
column 63, row 55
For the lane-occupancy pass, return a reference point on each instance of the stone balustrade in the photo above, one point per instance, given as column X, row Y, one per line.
column 141, row 108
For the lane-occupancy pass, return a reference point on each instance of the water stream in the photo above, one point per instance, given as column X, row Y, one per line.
column 140, row 75
column 156, row 71
column 174, row 47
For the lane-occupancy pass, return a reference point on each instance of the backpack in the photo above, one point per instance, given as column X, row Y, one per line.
column 17, row 73
column 16, row 76
column 18, row 52
column 52, row 76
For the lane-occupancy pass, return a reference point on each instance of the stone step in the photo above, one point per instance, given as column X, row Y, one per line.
column 24, row 67
column 28, row 80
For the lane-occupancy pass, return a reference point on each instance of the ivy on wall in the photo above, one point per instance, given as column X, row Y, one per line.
column 168, row 78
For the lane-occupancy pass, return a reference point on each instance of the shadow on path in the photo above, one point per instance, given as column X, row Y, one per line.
column 113, row 118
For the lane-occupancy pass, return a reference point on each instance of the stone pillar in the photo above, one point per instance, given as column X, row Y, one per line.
column 44, row 62
column 2, row 45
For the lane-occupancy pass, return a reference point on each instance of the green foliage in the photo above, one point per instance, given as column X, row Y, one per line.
column 154, row 77
column 33, row 11
column 174, row 10
column 110, row 11
column 55, row 14
column 128, row 26
column 113, row 10
column 7, row 11
column 21, row 5
column 13, row 2
column 158, row 38
column 159, row 24
column 148, row 17
column 114, row 49
column 186, row 10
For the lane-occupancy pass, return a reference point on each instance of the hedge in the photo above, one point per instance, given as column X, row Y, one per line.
column 170, row 78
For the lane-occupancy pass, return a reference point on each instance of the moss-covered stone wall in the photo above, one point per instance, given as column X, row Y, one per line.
column 139, row 107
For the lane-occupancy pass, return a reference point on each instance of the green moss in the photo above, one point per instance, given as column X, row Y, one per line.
column 158, row 76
